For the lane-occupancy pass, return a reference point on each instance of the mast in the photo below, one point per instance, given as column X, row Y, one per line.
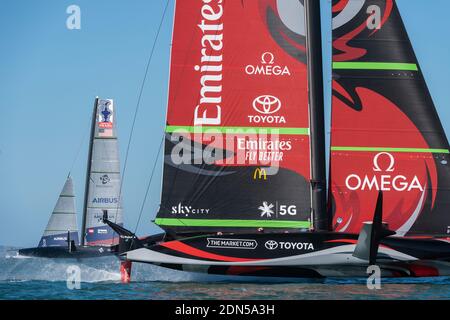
column 317, row 120
column 88, row 173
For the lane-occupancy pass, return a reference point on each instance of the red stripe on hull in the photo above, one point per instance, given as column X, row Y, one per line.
column 238, row 270
column 423, row 271
column 342, row 240
column 340, row 5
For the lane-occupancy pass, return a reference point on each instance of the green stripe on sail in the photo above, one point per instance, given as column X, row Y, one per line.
column 232, row 223
column 263, row 130
column 375, row 66
column 382, row 149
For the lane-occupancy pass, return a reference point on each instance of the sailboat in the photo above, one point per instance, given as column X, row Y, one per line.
column 244, row 187
column 102, row 194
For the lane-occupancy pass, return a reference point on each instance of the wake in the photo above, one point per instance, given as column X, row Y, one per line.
column 16, row 268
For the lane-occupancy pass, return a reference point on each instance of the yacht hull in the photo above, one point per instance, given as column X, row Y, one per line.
column 64, row 253
column 303, row 255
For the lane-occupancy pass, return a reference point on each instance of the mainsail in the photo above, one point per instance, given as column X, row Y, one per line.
column 237, row 148
column 386, row 134
column 63, row 220
column 103, row 178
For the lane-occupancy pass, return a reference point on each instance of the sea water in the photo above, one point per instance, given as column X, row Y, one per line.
column 36, row 278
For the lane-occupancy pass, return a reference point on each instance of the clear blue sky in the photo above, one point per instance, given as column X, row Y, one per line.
column 49, row 77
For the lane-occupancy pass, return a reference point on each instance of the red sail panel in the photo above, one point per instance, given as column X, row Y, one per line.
column 237, row 120
column 386, row 134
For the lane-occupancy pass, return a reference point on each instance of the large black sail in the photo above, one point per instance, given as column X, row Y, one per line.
column 386, row 133
column 237, row 152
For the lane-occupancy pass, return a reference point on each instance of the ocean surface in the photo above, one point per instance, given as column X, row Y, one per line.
column 35, row 278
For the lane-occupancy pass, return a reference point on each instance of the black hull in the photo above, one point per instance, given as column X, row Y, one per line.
column 421, row 269
column 64, row 253
column 297, row 255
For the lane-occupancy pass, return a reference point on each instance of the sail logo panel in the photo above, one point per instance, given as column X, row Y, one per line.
column 104, row 179
column 105, row 118
column 237, row 150
column 386, row 134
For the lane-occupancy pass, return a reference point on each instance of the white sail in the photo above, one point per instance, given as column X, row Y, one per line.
column 103, row 178
column 63, row 220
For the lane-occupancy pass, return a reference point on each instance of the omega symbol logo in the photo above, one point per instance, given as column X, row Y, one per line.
column 376, row 162
column 267, row 58
column 267, row 104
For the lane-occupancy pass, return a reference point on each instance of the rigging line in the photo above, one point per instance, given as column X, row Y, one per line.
column 138, row 104
column 85, row 132
column 177, row 91
column 150, row 181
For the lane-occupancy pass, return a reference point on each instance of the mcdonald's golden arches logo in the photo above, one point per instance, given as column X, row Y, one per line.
column 260, row 174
